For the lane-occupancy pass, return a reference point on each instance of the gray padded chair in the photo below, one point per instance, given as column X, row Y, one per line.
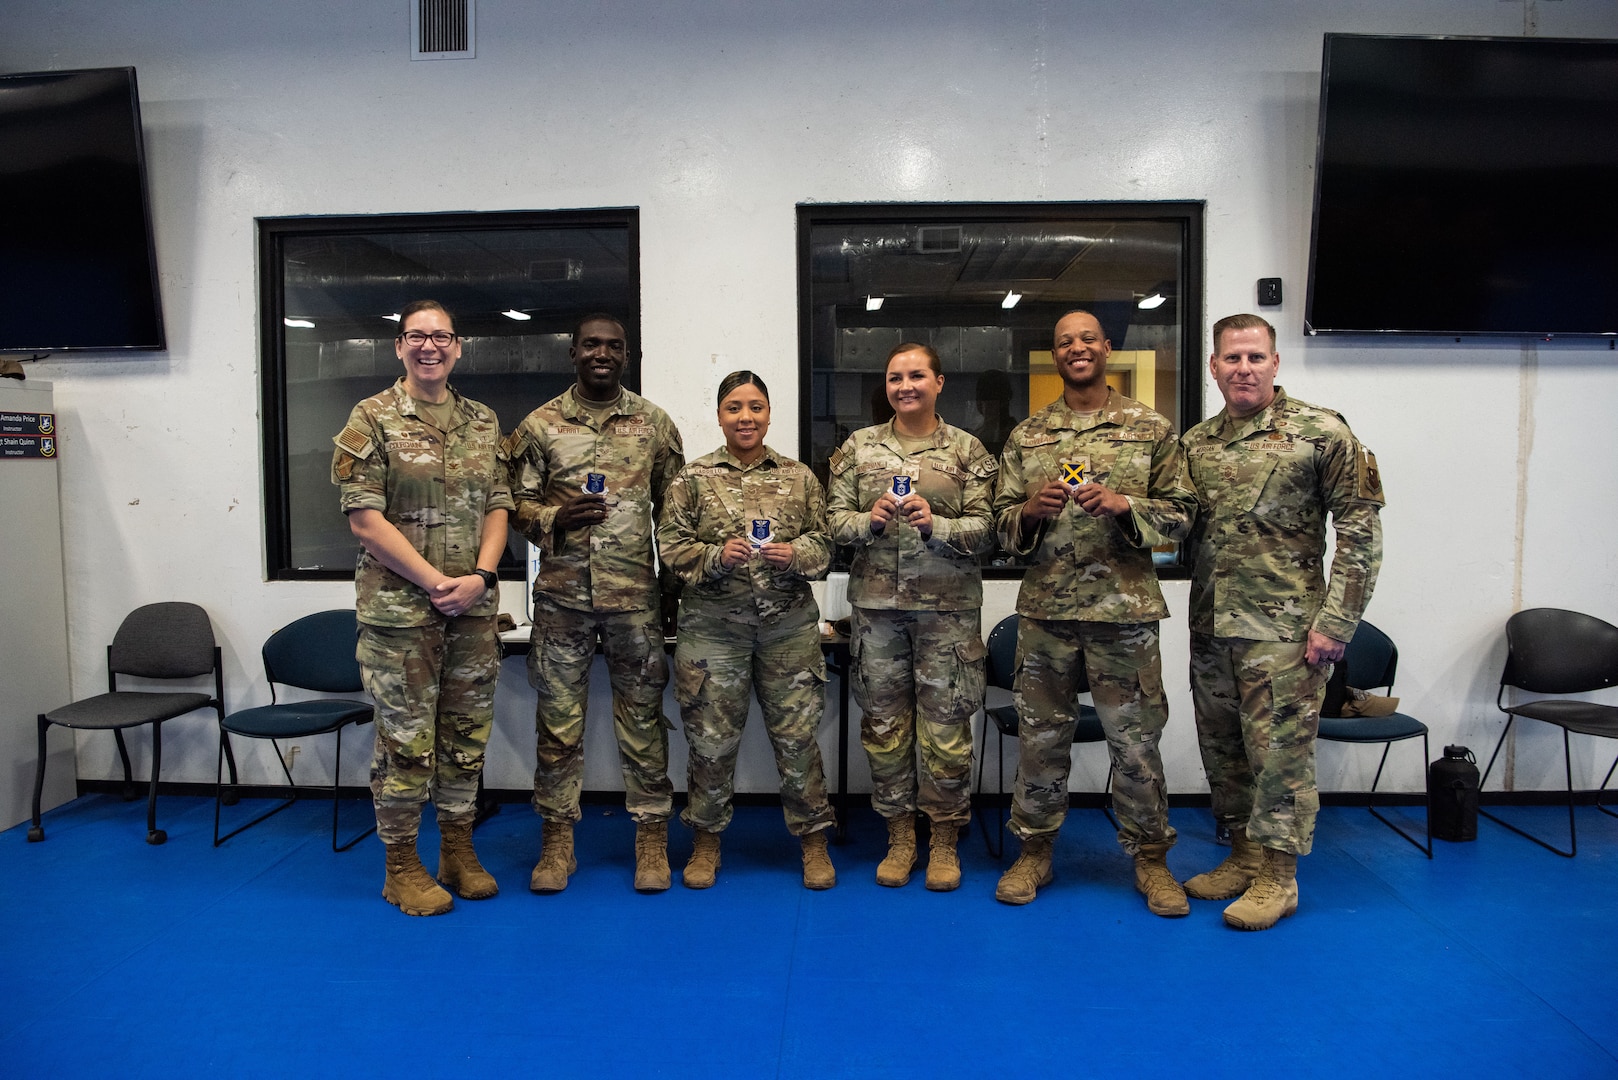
column 315, row 652
column 157, row 641
column 1002, row 673
column 1554, row 651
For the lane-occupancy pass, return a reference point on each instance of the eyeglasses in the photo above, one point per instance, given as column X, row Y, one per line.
column 416, row 339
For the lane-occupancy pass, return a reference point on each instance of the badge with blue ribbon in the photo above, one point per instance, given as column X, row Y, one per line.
column 903, row 486
column 595, row 483
column 762, row 532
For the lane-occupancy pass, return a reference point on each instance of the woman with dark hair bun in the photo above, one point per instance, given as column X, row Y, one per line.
column 745, row 529
column 913, row 498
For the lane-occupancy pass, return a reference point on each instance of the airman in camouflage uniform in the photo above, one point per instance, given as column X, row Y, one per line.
column 427, row 497
column 916, row 640
column 1113, row 485
column 588, row 471
column 749, row 624
column 1266, row 625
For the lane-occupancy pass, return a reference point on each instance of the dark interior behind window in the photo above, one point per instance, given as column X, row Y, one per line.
column 516, row 283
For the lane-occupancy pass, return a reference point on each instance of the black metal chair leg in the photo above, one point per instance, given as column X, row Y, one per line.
column 129, row 792
column 36, row 832
column 1428, row 850
column 336, row 779
column 1572, row 828
column 983, row 761
column 235, row 797
column 154, row 835
column 230, row 759
column 1603, row 787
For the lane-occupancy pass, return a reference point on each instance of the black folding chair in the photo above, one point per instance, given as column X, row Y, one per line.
column 1554, row 651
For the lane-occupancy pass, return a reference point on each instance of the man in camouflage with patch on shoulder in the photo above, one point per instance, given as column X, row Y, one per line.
column 420, row 479
column 588, row 472
column 1088, row 486
column 1266, row 623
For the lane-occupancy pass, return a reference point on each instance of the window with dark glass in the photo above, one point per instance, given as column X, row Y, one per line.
column 984, row 285
column 330, row 292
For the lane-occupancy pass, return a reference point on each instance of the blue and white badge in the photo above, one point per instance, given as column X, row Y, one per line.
column 902, row 486
column 595, row 483
column 762, row 533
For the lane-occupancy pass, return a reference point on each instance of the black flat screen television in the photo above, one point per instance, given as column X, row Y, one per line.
column 77, row 266
column 1466, row 186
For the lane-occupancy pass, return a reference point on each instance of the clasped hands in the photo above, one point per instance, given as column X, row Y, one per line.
column 1096, row 500
column 738, row 550
column 912, row 508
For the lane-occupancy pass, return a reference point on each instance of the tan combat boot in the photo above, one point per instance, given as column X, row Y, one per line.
column 1154, row 881
column 407, row 885
column 1271, row 898
column 703, row 865
column 556, row 859
column 1023, row 879
column 818, row 872
column 1233, row 876
column 894, row 870
column 652, row 856
column 458, row 866
column 943, row 864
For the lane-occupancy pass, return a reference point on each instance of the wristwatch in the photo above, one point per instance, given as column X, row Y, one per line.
column 490, row 578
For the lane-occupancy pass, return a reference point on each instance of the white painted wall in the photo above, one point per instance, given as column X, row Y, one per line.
column 716, row 119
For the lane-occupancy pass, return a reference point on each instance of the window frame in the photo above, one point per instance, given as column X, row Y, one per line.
column 272, row 234
column 1188, row 213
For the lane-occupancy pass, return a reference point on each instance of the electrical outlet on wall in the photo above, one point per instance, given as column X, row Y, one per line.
column 1269, row 291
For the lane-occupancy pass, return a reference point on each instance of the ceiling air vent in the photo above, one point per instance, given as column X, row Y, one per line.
column 938, row 239
column 443, row 29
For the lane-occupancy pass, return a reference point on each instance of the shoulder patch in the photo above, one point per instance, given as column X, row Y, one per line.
column 1368, row 477
column 354, row 441
column 840, row 462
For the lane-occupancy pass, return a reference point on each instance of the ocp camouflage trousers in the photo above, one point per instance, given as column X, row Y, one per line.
column 717, row 665
column 1258, row 711
column 434, row 691
column 1125, row 673
column 562, row 649
column 918, row 678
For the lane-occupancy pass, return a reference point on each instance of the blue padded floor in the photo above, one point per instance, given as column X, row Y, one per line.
column 273, row 957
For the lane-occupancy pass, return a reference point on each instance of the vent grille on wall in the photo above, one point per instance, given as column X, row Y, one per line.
column 443, row 29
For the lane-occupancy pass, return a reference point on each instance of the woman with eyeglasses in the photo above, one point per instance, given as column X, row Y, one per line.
column 913, row 498
column 745, row 529
column 427, row 498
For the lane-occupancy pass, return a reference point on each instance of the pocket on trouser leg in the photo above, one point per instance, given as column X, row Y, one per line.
column 1295, row 696
column 689, row 679
column 967, row 677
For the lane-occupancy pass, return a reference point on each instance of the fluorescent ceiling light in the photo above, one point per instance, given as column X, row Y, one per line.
column 1011, row 300
column 513, row 313
column 1147, row 303
column 392, row 318
column 874, row 303
column 302, row 324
